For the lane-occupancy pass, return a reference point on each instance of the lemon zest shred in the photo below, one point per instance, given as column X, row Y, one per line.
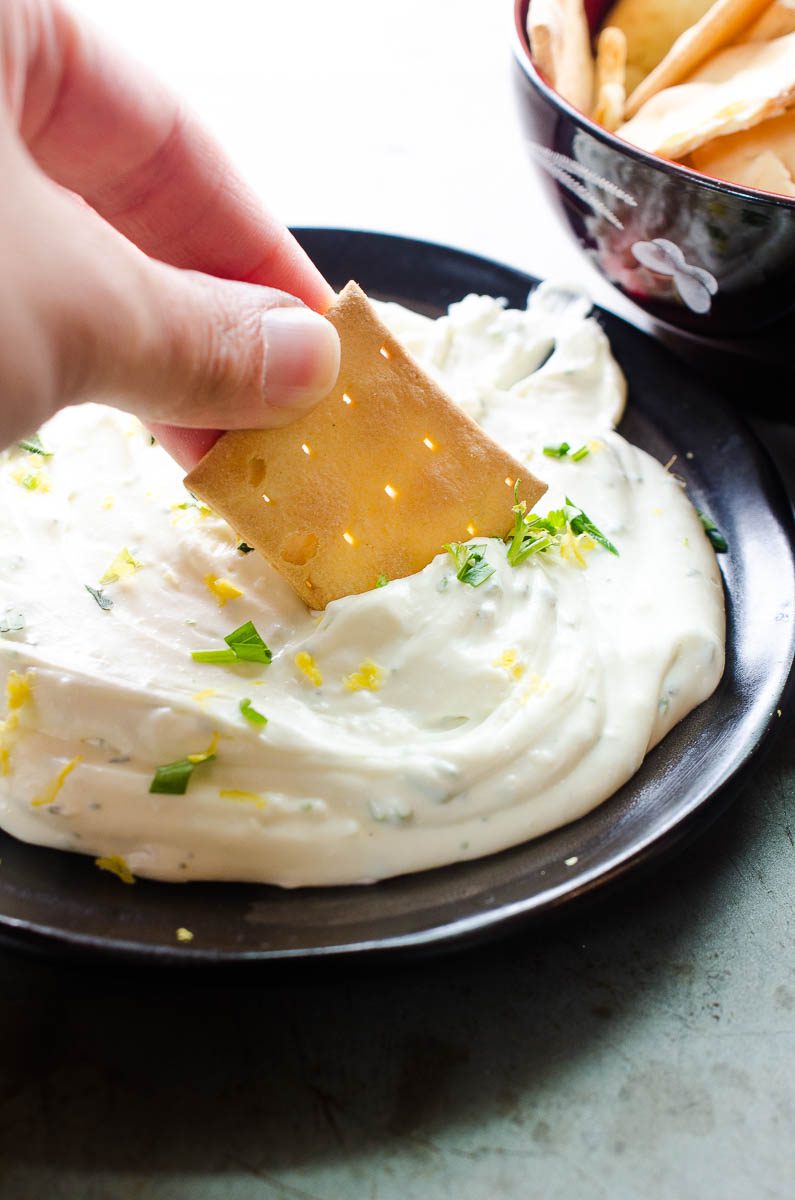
column 123, row 565
column 184, row 935
column 34, row 478
column 308, row 667
column 369, row 678
column 50, row 793
column 200, row 697
column 116, row 864
column 18, row 693
column 574, row 547
column 205, row 754
column 242, row 797
column 536, row 685
column 203, row 510
column 222, row 589
column 509, row 661
column 108, row 502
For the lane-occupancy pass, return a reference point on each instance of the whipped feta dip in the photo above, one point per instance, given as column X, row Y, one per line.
column 421, row 723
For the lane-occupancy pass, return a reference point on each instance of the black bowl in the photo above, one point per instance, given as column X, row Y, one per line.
column 712, row 260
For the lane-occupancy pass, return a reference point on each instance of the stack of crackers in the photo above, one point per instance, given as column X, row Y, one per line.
column 710, row 85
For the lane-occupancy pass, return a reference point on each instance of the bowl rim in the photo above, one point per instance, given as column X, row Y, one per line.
column 521, row 51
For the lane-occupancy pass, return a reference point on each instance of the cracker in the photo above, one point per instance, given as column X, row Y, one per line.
column 651, row 27
column 611, row 69
column 373, row 482
column 762, row 157
column 720, row 25
column 777, row 20
column 738, row 88
column 560, row 41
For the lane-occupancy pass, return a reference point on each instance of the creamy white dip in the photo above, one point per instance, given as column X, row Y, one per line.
column 500, row 712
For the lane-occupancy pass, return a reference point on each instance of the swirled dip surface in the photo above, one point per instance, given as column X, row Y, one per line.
column 432, row 721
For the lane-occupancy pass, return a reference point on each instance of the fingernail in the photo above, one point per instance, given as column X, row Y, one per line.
column 302, row 357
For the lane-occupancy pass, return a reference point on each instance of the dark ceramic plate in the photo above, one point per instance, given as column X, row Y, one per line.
column 55, row 901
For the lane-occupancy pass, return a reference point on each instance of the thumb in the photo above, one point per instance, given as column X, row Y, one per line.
column 217, row 354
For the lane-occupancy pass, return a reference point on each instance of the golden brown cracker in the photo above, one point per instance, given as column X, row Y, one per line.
column 721, row 24
column 611, row 68
column 651, row 27
column 761, row 157
column 777, row 20
column 373, row 482
column 560, row 42
column 738, row 88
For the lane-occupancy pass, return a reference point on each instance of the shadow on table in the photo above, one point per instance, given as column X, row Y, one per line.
column 150, row 1073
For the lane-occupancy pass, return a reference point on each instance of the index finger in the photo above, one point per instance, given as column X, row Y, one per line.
column 104, row 127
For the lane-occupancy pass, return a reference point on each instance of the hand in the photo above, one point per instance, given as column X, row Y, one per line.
column 122, row 227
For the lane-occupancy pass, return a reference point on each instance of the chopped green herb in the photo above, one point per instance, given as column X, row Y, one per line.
column 531, row 534
column 244, row 548
column 214, row 656
column 152, row 440
column 471, row 564
column 719, row 543
column 251, row 714
column 104, row 602
column 248, row 645
column 381, row 581
column 33, row 446
column 564, row 450
column 30, row 481
column 172, row 779
column 11, row 621
column 245, row 645
column 580, row 522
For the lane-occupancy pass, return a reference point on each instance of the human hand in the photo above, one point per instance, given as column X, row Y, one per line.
column 123, row 233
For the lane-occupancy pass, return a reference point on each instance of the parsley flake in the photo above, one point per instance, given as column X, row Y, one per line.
column 104, row 602
column 172, row 779
column 245, row 645
column 471, row 564
column 532, row 534
column 33, row 446
column 244, row 548
column 251, row 714
column 564, row 450
column 580, row 522
column 382, row 581
column 717, row 540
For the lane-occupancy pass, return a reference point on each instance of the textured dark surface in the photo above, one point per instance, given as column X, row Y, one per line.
column 47, row 897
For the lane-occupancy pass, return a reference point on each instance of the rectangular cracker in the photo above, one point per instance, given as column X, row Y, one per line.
column 761, row 157
column 611, row 72
column 560, row 42
column 777, row 20
column 651, row 28
column 736, row 89
column 372, row 482
column 719, row 26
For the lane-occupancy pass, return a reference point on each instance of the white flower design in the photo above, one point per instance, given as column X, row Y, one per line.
column 695, row 286
column 581, row 181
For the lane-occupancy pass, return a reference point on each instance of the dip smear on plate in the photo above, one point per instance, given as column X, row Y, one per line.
column 421, row 723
